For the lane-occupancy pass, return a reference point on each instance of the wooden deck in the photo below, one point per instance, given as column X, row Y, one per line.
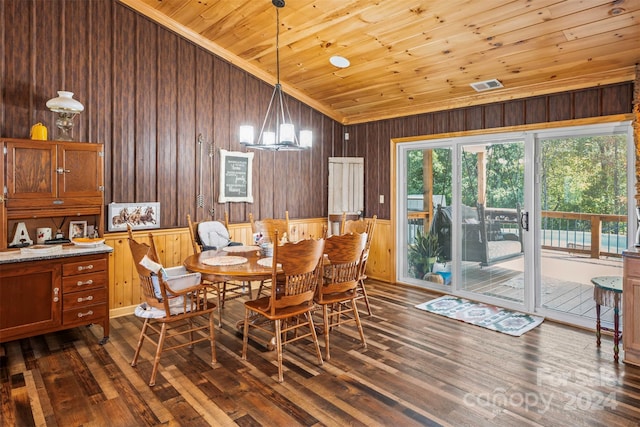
column 567, row 281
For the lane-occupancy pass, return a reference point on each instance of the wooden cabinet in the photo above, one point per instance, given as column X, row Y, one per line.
column 631, row 307
column 85, row 287
column 3, row 211
column 43, row 296
column 47, row 183
column 29, row 298
column 47, row 174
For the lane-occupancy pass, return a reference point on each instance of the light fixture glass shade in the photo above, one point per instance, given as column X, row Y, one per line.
column 246, row 134
column 306, row 138
column 65, row 103
column 67, row 108
column 268, row 138
column 287, row 133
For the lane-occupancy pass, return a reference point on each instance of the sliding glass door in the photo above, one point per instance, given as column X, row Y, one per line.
column 583, row 197
column 428, row 190
column 522, row 220
column 491, row 234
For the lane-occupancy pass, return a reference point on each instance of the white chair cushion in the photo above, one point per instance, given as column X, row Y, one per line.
column 176, row 306
column 177, row 279
column 213, row 235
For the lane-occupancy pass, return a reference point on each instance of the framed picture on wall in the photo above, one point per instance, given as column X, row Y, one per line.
column 77, row 229
column 235, row 177
column 138, row 215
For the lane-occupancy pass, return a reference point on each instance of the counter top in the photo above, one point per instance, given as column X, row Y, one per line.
column 68, row 250
column 632, row 252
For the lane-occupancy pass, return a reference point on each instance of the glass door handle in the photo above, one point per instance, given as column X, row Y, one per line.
column 524, row 221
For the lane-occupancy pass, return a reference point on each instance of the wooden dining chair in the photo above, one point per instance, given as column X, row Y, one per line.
column 196, row 242
column 361, row 226
column 268, row 227
column 224, row 290
column 337, row 293
column 175, row 307
column 297, row 269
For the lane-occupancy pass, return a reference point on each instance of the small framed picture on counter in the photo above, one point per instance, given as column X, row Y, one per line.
column 77, row 229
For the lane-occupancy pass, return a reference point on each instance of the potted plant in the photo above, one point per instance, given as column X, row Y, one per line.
column 423, row 253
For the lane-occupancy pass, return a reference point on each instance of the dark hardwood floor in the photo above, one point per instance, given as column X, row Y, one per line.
column 418, row 369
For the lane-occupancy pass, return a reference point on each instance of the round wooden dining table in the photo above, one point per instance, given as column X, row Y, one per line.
column 233, row 263
column 229, row 264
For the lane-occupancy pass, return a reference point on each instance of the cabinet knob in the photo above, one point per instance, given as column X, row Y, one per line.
column 88, row 313
column 56, row 291
column 85, row 267
column 61, row 171
column 89, row 298
column 88, row 282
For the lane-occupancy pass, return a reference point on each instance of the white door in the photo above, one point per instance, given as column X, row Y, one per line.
column 346, row 189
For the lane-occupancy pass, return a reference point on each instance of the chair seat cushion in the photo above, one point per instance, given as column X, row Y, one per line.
column 213, row 235
column 177, row 279
column 176, row 306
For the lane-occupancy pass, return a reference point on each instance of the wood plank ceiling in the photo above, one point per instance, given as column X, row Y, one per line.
column 410, row 56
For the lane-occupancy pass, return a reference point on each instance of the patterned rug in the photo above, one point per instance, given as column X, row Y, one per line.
column 479, row 314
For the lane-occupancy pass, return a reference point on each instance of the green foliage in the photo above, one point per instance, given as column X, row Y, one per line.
column 583, row 174
column 441, row 172
column 586, row 174
column 415, row 184
column 423, row 253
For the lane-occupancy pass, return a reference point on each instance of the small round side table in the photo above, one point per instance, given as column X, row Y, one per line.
column 607, row 291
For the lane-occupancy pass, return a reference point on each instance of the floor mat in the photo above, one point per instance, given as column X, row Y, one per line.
column 487, row 316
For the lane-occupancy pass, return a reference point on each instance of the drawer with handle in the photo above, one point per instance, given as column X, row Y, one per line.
column 84, row 315
column 84, row 281
column 84, row 298
column 83, row 267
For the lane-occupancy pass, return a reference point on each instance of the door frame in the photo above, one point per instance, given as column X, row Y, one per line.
column 530, row 134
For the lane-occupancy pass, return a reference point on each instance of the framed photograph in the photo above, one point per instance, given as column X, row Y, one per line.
column 77, row 229
column 235, row 177
column 138, row 215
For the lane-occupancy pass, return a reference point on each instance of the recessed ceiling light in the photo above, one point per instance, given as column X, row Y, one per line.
column 339, row 61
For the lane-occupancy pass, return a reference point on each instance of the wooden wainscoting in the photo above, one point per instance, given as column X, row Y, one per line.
column 174, row 245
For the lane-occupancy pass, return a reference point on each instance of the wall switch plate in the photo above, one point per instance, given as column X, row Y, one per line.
column 382, row 198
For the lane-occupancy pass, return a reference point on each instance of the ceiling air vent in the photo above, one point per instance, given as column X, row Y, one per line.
column 486, row 85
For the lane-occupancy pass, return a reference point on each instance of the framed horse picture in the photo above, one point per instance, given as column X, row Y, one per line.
column 138, row 215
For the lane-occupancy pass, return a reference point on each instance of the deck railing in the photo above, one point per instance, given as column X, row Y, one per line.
column 595, row 235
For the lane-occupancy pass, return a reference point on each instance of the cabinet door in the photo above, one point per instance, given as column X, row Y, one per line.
column 30, row 299
column 3, row 211
column 31, row 171
column 80, row 170
column 630, row 310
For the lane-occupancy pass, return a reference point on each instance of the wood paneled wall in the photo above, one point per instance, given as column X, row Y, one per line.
column 372, row 140
column 175, row 245
column 148, row 94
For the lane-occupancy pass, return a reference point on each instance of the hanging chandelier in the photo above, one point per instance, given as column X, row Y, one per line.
column 277, row 132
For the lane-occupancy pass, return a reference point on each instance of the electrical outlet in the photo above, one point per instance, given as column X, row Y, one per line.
column 382, row 198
